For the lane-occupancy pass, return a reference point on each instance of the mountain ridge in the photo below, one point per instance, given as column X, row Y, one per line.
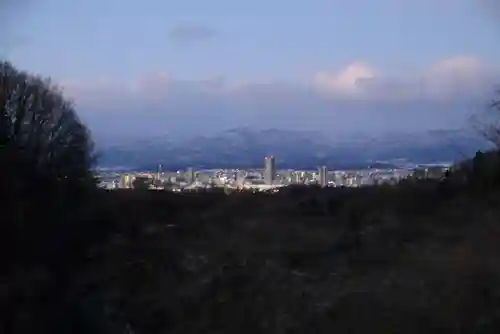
column 244, row 148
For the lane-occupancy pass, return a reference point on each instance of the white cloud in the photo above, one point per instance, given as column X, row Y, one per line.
column 460, row 75
column 357, row 97
column 454, row 75
column 346, row 82
column 464, row 65
column 466, row 76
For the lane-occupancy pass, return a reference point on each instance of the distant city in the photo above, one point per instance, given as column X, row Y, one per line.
column 244, row 149
column 269, row 178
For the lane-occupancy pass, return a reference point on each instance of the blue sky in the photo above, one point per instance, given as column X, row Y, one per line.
column 151, row 66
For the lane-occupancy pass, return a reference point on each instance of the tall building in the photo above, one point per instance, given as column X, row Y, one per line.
column 158, row 175
column 190, row 175
column 323, row 176
column 269, row 170
column 298, row 177
column 125, row 181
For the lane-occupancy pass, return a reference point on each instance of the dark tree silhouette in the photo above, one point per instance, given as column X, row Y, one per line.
column 40, row 133
column 487, row 123
column 46, row 159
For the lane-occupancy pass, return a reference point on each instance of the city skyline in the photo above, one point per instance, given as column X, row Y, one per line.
column 268, row 178
column 196, row 67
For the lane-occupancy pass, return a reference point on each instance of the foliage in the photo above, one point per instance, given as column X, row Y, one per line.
column 40, row 132
column 46, row 187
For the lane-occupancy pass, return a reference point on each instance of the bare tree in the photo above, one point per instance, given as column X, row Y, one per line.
column 39, row 128
column 45, row 154
column 487, row 123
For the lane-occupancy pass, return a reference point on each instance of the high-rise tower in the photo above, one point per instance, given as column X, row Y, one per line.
column 158, row 174
column 269, row 170
column 124, row 181
column 323, row 176
column 190, row 175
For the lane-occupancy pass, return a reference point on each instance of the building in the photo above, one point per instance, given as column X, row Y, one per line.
column 142, row 181
column 298, row 177
column 323, row 176
column 190, row 176
column 126, row 181
column 159, row 172
column 269, row 170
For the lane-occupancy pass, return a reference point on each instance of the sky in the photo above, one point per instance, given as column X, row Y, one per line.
column 154, row 67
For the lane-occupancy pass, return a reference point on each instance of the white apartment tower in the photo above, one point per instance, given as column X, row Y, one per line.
column 323, row 176
column 269, row 170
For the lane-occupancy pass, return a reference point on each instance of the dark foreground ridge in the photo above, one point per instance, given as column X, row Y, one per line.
column 418, row 257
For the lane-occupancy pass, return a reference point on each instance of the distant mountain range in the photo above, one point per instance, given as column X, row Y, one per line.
column 245, row 148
